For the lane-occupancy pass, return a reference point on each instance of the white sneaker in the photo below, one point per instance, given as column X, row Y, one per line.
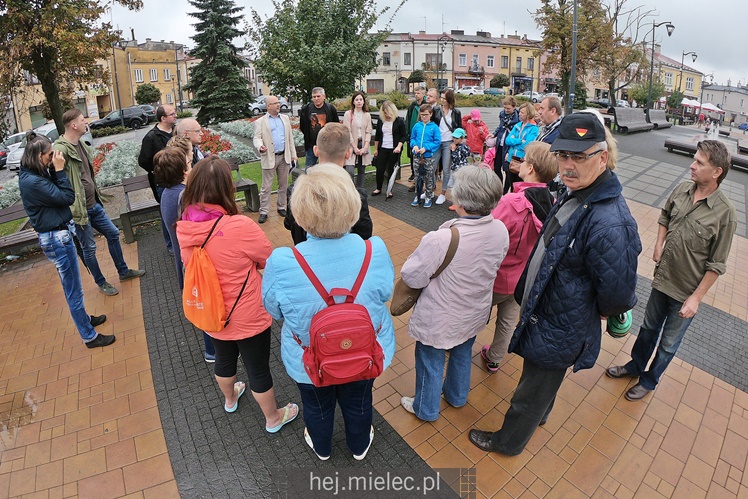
column 441, row 199
column 423, row 195
column 360, row 457
column 308, row 441
column 407, row 403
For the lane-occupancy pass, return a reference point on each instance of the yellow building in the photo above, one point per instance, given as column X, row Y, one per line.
column 676, row 75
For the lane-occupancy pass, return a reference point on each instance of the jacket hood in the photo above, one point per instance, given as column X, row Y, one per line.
column 194, row 231
column 539, row 197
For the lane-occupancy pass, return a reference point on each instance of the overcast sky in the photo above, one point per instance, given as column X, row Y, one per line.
column 715, row 29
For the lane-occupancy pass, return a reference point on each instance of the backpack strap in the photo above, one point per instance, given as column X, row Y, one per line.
column 329, row 297
column 211, row 231
column 241, row 292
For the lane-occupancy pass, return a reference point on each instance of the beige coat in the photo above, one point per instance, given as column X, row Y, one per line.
column 264, row 137
column 353, row 128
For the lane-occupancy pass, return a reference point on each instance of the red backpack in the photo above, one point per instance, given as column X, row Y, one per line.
column 343, row 344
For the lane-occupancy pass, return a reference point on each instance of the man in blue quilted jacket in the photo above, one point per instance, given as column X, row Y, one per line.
column 583, row 268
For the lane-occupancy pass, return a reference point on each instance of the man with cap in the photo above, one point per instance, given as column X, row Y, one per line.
column 583, row 268
column 694, row 236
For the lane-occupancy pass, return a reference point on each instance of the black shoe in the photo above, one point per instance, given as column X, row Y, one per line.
column 411, row 178
column 282, row 213
column 101, row 340
column 263, row 218
column 618, row 372
column 481, row 439
column 376, row 192
column 97, row 320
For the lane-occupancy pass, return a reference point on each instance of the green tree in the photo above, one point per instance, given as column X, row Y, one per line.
column 57, row 42
column 147, row 94
column 639, row 92
column 674, row 100
column 220, row 89
column 580, row 95
column 500, row 81
column 308, row 44
column 416, row 76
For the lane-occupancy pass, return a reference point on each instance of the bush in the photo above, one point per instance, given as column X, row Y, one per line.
column 242, row 152
column 9, row 193
column 242, row 128
column 478, row 100
column 120, row 163
column 106, row 131
column 184, row 114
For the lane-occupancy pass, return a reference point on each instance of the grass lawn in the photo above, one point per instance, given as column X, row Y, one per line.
column 11, row 227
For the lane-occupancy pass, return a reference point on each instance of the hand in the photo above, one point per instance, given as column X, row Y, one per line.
column 422, row 150
column 397, row 150
column 58, row 161
column 376, row 152
column 689, row 308
column 657, row 253
column 453, row 147
column 263, row 149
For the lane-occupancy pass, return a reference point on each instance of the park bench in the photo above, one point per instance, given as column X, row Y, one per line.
column 658, row 118
column 19, row 239
column 739, row 163
column 742, row 149
column 246, row 186
column 726, row 133
column 630, row 120
column 736, row 161
column 136, row 208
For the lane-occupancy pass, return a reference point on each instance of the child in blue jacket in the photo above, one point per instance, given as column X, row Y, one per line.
column 425, row 140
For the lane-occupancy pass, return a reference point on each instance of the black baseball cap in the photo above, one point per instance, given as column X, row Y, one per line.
column 578, row 132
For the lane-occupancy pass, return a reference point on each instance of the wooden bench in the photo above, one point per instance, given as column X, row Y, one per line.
column 739, row 163
column 726, row 133
column 658, row 118
column 246, row 186
column 630, row 119
column 136, row 208
column 19, row 239
column 736, row 161
column 742, row 149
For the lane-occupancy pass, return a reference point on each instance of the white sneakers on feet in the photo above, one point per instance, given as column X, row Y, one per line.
column 407, row 403
column 423, row 195
column 360, row 457
column 309, row 442
column 441, row 199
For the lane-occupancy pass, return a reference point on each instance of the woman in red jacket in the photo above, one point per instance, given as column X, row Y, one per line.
column 238, row 249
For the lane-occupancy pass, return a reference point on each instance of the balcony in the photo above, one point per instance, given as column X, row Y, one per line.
column 476, row 70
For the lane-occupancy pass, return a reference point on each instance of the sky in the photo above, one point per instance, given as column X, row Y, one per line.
column 714, row 30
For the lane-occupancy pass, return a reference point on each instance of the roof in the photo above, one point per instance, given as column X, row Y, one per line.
column 667, row 61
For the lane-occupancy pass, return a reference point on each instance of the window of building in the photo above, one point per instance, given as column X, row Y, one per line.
column 385, row 58
column 169, row 99
column 167, row 74
column 518, row 69
column 504, row 62
column 531, row 64
column 724, row 99
column 489, row 61
column 741, row 103
column 463, row 60
column 406, row 59
column 668, row 79
column 595, row 72
column 139, row 76
column 689, row 83
column 154, row 75
column 432, row 61
column 475, row 60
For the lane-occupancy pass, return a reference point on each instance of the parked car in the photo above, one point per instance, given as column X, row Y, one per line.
column 602, row 102
column 135, row 117
column 554, row 94
column 470, row 90
column 150, row 111
column 533, row 96
column 259, row 106
column 494, row 91
column 743, row 126
column 3, row 156
column 14, row 141
column 622, row 103
column 50, row 130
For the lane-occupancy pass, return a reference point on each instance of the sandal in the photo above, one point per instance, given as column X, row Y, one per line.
column 286, row 418
column 241, row 392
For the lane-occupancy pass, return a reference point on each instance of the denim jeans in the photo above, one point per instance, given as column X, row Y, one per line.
column 355, row 403
column 311, row 160
column 431, row 382
column 58, row 246
column 446, row 162
column 99, row 220
column 661, row 314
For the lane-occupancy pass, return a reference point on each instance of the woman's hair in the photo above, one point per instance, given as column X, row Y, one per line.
column 509, row 100
column 363, row 96
column 611, row 144
column 449, row 96
column 325, row 202
column 538, row 154
column 529, row 110
column 36, row 145
column 476, row 189
column 169, row 166
column 181, row 142
column 389, row 111
column 210, row 182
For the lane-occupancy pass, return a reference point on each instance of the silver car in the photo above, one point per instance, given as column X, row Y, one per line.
column 50, row 130
column 259, row 106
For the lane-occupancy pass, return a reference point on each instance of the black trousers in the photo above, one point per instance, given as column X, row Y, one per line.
column 386, row 160
column 255, row 352
column 531, row 404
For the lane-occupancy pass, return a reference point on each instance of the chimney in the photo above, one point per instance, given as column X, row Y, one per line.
column 457, row 32
column 483, row 34
column 421, row 32
column 147, row 40
column 132, row 31
column 657, row 48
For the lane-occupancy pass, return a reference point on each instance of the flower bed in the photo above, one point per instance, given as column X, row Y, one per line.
column 9, row 193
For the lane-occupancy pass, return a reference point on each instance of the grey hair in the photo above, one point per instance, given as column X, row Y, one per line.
column 477, row 190
column 318, row 90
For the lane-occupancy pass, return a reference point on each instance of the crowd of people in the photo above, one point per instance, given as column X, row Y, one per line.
column 543, row 234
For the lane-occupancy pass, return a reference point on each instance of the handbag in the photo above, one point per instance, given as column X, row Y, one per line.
column 514, row 164
column 404, row 297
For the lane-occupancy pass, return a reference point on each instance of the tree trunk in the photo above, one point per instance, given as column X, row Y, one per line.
column 51, row 88
column 612, row 92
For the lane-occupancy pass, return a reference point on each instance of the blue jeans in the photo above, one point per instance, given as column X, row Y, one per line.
column 446, row 162
column 355, row 403
column 99, row 220
column 311, row 160
column 58, row 246
column 431, row 382
column 661, row 314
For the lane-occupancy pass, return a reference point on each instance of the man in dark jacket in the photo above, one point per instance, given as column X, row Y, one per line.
column 153, row 142
column 313, row 117
column 582, row 268
column 333, row 146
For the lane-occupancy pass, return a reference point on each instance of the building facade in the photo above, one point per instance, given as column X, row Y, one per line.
column 733, row 100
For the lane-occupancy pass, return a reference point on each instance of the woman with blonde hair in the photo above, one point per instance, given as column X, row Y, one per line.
column 389, row 138
column 326, row 204
column 358, row 121
column 522, row 134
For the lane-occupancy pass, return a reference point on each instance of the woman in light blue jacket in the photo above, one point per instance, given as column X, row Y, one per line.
column 326, row 204
column 522, row 134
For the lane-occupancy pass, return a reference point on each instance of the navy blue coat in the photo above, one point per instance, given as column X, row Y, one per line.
column 589, row 270
column 46, row 199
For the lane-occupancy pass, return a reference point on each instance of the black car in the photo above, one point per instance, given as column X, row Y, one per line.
column 150, row 111
column 134, row 118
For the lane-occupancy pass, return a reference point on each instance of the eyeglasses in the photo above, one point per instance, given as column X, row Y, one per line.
column 576, row 158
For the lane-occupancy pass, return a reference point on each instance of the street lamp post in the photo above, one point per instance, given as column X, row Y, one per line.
column 701, row 97
column 118, row 43
column 573, row 72
column 441, row 42
column 682, row 57
column 670, row 28
column 397, row 79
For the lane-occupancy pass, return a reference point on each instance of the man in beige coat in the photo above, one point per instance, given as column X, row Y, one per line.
column 274, row 141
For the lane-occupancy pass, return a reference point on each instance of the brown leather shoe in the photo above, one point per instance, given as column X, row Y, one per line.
column 637, row 392
column 618, row 372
